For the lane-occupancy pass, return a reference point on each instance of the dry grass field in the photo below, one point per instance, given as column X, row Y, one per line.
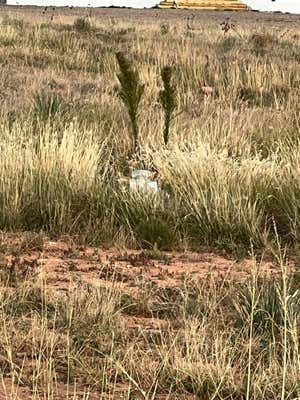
column 192, row 293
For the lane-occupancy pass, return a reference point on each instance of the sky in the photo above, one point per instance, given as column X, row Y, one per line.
column 263, row 5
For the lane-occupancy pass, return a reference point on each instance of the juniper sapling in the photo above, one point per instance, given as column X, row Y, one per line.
column 168, row 100
column 130, row 91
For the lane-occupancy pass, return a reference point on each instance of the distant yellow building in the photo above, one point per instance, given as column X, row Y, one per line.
column 204, row 4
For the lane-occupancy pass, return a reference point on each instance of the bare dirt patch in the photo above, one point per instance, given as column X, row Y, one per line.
column 97, row 313
column 62, row 265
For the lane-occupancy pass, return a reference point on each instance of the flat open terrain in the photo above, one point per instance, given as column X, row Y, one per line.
column 85, row 322
column 108, row 293
column 125, row 15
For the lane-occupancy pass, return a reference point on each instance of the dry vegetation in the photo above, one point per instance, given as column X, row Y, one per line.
column 229, row 179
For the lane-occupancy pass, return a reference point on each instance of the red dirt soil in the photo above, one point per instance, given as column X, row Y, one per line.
column 62, row 265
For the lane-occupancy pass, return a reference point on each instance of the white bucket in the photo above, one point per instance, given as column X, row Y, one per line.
column 142, row 181
column 141, row 173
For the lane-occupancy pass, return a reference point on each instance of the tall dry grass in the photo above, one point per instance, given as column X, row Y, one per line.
column 228, row 178
column 230, row 172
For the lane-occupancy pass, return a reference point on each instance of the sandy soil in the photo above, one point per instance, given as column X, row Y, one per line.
column 63, row 264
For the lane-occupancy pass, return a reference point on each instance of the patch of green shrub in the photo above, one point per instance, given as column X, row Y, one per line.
column 264, row 98
column 227, row 44
column 82, row 25
column 154, row 232
column 164, row 29
column 261, row 42
column 47, row 106
column 268, row 314
column 14, row 22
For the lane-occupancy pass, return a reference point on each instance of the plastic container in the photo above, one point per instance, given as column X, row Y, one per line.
column 141, row 173
column 142, row 181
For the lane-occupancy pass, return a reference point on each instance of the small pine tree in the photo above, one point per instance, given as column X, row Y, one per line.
column 168, row 100
column 130, row 92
